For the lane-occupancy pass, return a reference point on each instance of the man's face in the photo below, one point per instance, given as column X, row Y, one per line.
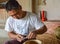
column 15, row 13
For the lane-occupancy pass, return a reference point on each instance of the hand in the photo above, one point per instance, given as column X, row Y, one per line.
column 19, row 37
column 31, row 35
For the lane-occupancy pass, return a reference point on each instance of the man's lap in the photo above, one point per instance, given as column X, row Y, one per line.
column 14, row 42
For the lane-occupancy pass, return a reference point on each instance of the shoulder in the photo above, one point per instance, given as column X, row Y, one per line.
column 10, row 19
column 32, row 15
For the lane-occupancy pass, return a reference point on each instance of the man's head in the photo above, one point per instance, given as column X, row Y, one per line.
column 13, row 8
column 12, row 5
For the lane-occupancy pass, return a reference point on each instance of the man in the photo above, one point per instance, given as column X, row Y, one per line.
column 21, row 24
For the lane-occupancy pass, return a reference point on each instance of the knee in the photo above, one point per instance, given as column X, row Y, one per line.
column 7, row 42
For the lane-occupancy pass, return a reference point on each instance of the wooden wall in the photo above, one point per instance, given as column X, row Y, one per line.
column 3, row 17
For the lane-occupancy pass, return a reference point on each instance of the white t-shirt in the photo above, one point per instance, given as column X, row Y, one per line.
column 25, row 25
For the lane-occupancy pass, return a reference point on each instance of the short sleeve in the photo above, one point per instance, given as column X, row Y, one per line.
column 8, row 26
column 36, row 22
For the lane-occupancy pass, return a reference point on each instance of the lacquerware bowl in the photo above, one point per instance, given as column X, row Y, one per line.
column 33, row 42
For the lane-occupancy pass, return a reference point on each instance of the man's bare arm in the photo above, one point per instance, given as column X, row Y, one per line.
column 41, row 30
column 13, row 35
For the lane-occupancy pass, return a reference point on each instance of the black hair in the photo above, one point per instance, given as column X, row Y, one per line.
column 12, row 5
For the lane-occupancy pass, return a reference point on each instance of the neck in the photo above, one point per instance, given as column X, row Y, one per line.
column 23, row 15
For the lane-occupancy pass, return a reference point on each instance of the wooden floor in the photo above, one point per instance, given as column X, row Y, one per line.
column 3, row 40
column 3, row 36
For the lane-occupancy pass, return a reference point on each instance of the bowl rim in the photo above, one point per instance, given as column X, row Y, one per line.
column 36, row 40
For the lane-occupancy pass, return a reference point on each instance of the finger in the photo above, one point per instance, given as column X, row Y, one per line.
column 31, row 35
column 34, row 36
column 20, row 36
column 28, row 35
column 19, row 39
